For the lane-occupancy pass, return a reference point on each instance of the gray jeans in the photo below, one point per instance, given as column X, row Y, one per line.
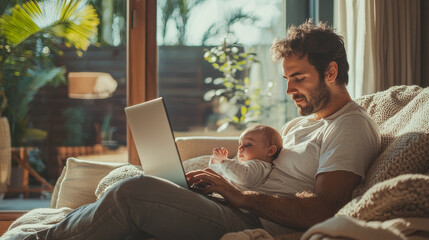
column 149, row 206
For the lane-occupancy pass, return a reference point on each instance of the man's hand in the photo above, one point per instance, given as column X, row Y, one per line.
column 208, row 181
column 219, row 155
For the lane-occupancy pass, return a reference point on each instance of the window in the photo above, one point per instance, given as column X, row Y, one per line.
column 58, row 122
column 215, row 69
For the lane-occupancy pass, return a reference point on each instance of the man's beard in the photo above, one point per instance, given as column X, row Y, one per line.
column 319, row 98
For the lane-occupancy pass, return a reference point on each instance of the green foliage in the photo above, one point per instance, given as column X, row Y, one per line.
column 20, row 93
column 234, row 87
column 110, row 11
column 69, row 20
column 179, row 11
column 106, row 128
column 31, row 34
column 74, row 123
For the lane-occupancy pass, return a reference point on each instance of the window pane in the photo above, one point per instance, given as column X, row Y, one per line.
column 215, row 69
column 78, row 109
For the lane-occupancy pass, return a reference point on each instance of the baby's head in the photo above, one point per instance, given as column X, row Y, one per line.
column 259, row 142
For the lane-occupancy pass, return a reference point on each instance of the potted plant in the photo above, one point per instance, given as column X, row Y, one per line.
column 29, row 39
column 30, row 36
column 233, row 89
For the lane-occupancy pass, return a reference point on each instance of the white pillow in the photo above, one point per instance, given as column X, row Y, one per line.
column 80, row 180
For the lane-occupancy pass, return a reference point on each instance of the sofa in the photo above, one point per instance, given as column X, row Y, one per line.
column 392, row 202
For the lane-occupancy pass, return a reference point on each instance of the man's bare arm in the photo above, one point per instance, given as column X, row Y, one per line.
column 332, row 191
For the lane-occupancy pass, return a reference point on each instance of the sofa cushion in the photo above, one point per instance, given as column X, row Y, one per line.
column 402, row 112
column 403, row 196
column 81, row 178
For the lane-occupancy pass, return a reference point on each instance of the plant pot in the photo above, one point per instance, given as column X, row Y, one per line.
column 5, row 155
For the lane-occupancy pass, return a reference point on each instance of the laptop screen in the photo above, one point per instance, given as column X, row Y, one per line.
column 155, row 142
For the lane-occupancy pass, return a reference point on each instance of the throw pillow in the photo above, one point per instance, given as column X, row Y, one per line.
column 80, row 181
column 116, row 176
column 54, row 197
column 403, row 196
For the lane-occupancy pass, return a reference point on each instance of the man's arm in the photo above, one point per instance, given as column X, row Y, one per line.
column 332, row 191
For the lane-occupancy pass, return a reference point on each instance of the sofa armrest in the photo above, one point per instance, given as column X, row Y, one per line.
column 190, row 147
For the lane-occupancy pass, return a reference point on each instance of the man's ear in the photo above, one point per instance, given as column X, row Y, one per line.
column 272, row 150
column 331, row 72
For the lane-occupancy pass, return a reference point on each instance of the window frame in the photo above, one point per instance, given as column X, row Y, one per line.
column 142, row 65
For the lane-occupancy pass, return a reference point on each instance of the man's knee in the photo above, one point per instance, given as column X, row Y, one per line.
column 141, row 186
column 128, row 186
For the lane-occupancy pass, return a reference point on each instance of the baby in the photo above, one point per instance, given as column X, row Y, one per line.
column 258, row 147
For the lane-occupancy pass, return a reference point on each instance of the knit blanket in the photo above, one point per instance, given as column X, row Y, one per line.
column 343, row 227
column 403, row 196
column 402, row 113
column 34, row 221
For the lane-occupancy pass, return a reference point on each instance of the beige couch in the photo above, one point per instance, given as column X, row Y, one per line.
column 391, row 203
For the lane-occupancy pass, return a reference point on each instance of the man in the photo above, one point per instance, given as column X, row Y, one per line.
column 327, row 154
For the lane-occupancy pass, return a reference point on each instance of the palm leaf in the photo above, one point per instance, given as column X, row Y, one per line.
column 71, row 20
column 21, row 91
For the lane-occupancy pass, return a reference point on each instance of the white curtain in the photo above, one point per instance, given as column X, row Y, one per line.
column 382, row 41
column 354, row 20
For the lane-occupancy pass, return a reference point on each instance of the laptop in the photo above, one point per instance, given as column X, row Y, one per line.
column 155, row 142
column 156, row 145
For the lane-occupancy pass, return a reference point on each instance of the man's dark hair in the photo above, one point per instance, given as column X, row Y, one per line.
column 319, row 43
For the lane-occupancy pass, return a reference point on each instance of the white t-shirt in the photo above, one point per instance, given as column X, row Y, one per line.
column 347, row 140
column 245, row 175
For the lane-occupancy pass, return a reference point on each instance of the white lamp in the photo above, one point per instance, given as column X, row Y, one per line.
column 91, row 85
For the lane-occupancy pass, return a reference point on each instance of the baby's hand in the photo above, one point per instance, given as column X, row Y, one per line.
column 219, row 155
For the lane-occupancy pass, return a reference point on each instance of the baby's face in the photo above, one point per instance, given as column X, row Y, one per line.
column 253, row 145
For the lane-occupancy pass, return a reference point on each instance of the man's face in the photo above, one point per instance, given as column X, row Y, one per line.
column 309, row 92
